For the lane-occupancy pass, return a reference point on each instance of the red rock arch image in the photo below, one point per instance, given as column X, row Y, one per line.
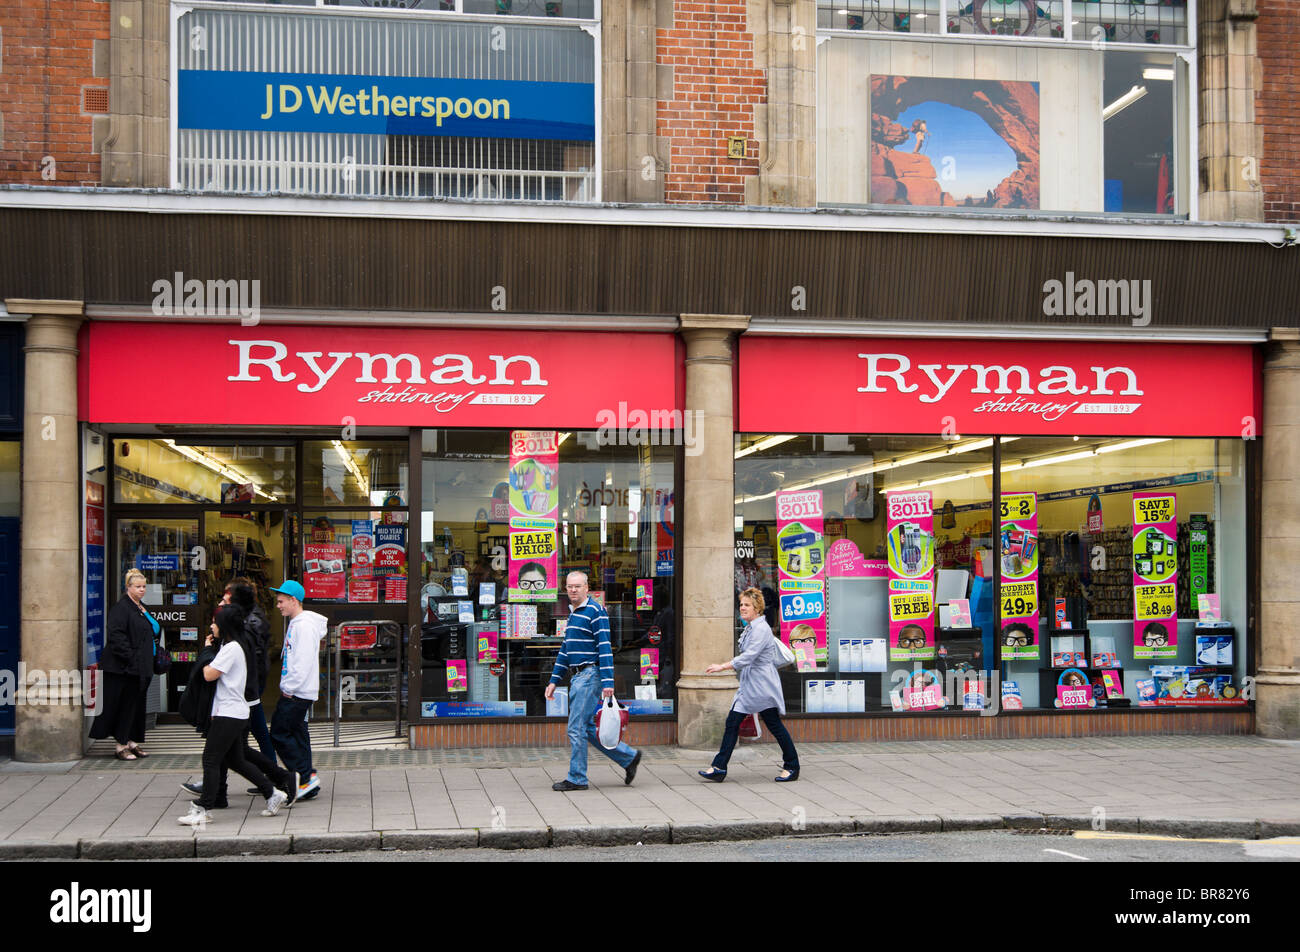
column 1009, row 108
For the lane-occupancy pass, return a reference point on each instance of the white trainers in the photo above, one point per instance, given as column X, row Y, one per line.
column 276, row 800
column 196, row 817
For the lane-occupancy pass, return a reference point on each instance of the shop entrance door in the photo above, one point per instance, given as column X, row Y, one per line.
column 249, row 545
column 166, row 550
column 8, row 611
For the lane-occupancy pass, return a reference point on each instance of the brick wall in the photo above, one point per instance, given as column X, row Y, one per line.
column 47, row 58
column 715, row 87
column 1277, row 107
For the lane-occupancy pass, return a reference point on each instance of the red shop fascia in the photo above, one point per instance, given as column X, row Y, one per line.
column 998, row 387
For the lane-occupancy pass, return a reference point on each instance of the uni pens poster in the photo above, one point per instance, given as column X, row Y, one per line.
column 801, row 573
column 1155, row 576
column 909, row 545
column 534, row 510
column 1020, row 577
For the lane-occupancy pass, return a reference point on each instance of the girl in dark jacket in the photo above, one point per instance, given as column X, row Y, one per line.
column 132, row 638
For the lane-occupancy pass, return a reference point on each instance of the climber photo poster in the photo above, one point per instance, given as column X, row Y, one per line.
column 939, row 142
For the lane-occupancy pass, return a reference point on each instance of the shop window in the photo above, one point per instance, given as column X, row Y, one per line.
column 852, row 661
column 10, row 481
column 177, row 471
column 494, row 608
column 354, row 473
column 1122, row 606
column 1092, row 613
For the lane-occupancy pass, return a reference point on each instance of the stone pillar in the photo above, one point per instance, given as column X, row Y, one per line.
column 135, row 141
column 636, row 157
column 1231, row 142
column 785, row 124
column 50, row 598
column 1277, row 682
column 707, row 548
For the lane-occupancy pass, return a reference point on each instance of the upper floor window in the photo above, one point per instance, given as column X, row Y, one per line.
column 276, row 100
column 939, row 104
column 1103, row 21
column 575, row 9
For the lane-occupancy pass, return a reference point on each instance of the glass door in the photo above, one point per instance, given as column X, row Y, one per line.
column 167, row 551
column 247, row 545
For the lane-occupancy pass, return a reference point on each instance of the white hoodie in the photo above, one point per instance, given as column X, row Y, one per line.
column 300, row 659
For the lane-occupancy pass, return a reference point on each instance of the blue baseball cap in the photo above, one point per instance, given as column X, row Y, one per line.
column 292, row 589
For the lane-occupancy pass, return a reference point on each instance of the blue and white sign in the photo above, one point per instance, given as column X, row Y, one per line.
column 158, row 563
column 473, row 708
column 94, row 602
column 802, row 606
column 644, row 706
column 386, row 105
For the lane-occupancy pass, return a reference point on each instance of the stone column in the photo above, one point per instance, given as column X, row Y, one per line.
column 707, row 548
column 1231, row 141
column 785, row 50
column 50, row 639
column 1277, row 683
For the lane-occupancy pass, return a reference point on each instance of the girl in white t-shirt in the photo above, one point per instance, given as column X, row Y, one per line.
column 225, row 738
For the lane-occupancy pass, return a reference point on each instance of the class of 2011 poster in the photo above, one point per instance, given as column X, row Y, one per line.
column 1019, row 590
column 801, row 575
column 909, row 544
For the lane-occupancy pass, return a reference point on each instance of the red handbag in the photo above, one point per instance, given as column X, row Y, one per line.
column 749, row 727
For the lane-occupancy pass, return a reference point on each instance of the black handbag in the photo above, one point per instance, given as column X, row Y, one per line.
column 162, row 660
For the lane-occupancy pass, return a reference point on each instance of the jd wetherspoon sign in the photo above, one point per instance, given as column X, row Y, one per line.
column 386, row 105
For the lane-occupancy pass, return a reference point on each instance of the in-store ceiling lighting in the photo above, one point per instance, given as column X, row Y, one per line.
column 1158, row 72
column 969, row 446
column 1014, row 466
column 765, row 444
column 352, row 467
column 1123, row 102
column 218, row 467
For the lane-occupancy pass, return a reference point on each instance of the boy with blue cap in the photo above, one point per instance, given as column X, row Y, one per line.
column 299, row 684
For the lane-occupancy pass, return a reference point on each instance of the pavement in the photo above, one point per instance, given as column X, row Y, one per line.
column 1200, row 786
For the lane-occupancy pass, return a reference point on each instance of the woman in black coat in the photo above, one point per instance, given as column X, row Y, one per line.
column 132, row 637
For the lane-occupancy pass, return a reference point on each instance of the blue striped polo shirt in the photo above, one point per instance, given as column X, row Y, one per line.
column 586, row 641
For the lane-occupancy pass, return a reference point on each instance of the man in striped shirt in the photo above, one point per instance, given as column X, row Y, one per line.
column 589, row 661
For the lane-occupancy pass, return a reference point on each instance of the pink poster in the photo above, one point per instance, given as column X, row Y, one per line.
column 534, row 512
column 801, row 571
column 1020, row 577
column 645, row 594
column 843, row 560
column 649, row 664
column 1155, row 576
column 323, row 575
column 909, row 536
column 924, row 692
column 1073, row 690
column 457, row 677
column 487, row 647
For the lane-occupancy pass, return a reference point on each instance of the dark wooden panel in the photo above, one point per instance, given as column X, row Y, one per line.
column 381, row 264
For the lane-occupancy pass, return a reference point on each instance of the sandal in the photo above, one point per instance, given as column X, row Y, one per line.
column 713, row 774
column 125, row 754
column 138, row 751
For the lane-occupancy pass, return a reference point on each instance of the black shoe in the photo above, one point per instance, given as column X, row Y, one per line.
column 291, row 780
column 713, row 774
column 253, row 792
column 194, row 788
column 631, row 770
column 563, row 786
column 793, row 775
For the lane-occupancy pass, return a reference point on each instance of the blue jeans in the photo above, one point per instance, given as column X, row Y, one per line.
column 289, row 731
column 261, row 733
column 772, row 718
column 584, row 700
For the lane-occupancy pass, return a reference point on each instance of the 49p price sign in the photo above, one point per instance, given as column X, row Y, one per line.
column 1018, row 597
column 1155, row 576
